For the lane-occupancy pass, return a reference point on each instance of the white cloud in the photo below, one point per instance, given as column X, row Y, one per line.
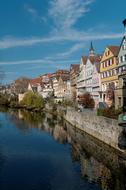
column 65, row 13
column 45, row 62
column 34, row 13
column 72, row 50
column 10, row 42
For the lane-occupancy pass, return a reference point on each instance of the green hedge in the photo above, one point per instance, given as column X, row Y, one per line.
column 109, row 112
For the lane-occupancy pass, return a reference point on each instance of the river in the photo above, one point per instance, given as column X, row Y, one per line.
column 41, row 152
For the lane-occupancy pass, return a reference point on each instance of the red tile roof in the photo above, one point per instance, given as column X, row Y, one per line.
column 84, row 59
column 35, row 81
column 62, row 72
column 74, row 67
column 65, row 78
column 95, row 59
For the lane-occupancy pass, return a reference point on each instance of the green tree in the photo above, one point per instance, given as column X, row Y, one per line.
column 33, row 100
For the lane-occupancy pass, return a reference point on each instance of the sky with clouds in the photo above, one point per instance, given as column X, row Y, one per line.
column 40, row 36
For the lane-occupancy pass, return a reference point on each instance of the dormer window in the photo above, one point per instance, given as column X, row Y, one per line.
column 124, row 45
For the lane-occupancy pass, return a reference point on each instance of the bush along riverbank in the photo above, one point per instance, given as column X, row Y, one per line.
column 31, row 101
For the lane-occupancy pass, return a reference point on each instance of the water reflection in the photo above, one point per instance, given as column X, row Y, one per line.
column 99, row 163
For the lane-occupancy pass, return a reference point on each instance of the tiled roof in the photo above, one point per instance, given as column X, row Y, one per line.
column 95, row 59
column 35, row 81
column 114, row 50
column 74, row 67
column 65, row 78
column 84, row 59
column 62, row 72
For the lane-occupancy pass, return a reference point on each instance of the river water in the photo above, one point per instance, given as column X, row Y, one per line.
column 41, row 152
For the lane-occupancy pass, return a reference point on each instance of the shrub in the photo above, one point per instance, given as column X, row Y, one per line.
column 109, row 112
column 67, row 103
column 4, row 99
column 33, row 100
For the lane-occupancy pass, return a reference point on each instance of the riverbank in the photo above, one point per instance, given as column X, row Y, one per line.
column 104, row 129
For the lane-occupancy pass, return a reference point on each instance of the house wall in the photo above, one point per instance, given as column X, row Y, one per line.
column 109, row 74
column 88, row 75
column 120, row 93
column 96, row 86
column 81, row 79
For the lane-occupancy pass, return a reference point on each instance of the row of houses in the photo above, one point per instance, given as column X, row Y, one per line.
column 102, row 75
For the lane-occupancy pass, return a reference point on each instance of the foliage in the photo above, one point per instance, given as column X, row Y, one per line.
column 109, row 112
column 67, row 102
column 53, row 105
column 33, row 100
column 86, row 100
column 32, row 117
column 8, row 100
column 4, row 99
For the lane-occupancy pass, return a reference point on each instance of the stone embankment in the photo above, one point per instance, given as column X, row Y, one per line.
column 102, row 128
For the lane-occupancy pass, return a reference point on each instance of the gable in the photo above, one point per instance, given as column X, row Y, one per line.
column 89, row 64
column 107, row 54
column 122, row 46
column 81, row 63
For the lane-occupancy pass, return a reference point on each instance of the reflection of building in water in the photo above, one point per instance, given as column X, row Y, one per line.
column 60, row 134
column 95, row 171
column 46, row 125
column 20, row 115
column 98, row 162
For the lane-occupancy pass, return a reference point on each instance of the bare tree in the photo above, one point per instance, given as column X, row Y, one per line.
column 21, row 85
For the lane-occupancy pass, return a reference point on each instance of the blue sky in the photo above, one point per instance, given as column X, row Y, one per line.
column 40, row 36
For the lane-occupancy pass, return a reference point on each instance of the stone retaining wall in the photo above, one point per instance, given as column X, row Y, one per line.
column 104, row 129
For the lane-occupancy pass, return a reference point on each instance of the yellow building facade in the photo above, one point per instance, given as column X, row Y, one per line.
column 109, row 73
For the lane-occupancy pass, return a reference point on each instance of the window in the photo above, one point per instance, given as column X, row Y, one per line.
column 119, row 60
column 124, row 83
column 108, row 74
column 120, row 70
column 124, row 45
column 123, row 57
column 111, row 73
column 114, row 71
column 112, row 60
column 123, row 68
column 119, row 100
column 104, row 74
